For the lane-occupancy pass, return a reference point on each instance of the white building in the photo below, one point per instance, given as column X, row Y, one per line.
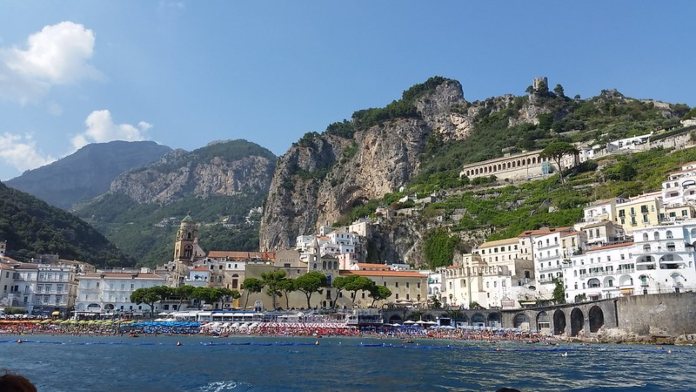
column 664, row 256
column 603, row 233
column 550, row 251
column 680, row 187
column 600, row 210
column 601, row 272
column 629, row 143
column 56, row 289
column 109, row 292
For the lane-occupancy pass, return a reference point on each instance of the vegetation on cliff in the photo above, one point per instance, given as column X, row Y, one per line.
column 32, row 227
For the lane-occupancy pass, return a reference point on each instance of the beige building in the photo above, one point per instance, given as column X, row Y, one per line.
column 488, row 285
column 603, row 232
column 407, row 287
column 640, row 212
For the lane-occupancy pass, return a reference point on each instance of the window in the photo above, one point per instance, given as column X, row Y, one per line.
column 656, row 236
column 669, row 234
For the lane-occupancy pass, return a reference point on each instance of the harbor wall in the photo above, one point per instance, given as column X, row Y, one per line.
column 659, row 314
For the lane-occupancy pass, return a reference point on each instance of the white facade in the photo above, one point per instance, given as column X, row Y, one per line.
column 661, row 260
column 550, row 251
column 600, row 211
column 629, row 143
column 109, row 292
column 603, row 272
column 680, row 187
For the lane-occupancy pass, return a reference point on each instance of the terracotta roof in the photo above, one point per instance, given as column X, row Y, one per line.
column 373, row 267
column 238, row 256
column 394, row 274
column 569, row 233
column 200, row 268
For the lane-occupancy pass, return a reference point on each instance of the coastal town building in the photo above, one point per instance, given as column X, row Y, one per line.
column 522, row 166
column 407, row 287
column 550, row 250
column 601, row 272
column 108, row 293
column 639, row 212
column 680, row 187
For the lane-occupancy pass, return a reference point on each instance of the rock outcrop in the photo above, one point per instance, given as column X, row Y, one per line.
column 198, row 173
column 323, row 176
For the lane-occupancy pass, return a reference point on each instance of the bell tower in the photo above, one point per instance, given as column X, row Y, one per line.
column 186, row 237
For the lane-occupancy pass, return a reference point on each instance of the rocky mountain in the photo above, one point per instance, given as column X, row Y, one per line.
column 418, row 143
column 32, row 227
column 220, row 185
column 86, row 173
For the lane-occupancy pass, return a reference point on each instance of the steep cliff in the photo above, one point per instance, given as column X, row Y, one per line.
column 324, row 175
column 200, row 174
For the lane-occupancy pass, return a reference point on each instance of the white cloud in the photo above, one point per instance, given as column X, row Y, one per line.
column 101, row 128
column 20, row 152
column 58, row 54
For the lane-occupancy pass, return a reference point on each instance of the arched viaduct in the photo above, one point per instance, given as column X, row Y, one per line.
column 569, row 319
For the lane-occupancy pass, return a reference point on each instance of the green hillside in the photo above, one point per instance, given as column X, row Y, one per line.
column 134, row 228
column 31, row 227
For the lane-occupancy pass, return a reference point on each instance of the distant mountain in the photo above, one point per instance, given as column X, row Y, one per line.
column 218, row 185
column 31, row 227
column 86, row 173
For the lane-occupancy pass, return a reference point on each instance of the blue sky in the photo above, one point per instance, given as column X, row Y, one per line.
column 184, row 73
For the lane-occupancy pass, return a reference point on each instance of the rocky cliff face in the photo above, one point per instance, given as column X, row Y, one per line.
column 323, row 176
column 200, row 174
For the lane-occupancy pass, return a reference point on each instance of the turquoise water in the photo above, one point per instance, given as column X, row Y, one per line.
column 65, row 363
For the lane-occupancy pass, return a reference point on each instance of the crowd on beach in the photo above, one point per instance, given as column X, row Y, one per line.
column 313, row 329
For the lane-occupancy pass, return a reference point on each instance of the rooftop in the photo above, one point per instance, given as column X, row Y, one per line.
column 386, row 274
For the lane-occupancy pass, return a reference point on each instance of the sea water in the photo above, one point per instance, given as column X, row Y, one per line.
column 66, row 363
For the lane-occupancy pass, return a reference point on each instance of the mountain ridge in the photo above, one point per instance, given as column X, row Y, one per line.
column 87, row 172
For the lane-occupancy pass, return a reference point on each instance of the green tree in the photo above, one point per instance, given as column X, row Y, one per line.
column 559, row 291
column 439, row 247
column 357, row 283
column 287, row 286
column 379, row 293
column 251, row 285
column 436, row 304
column 229, row 295
column 558, row 90
column 271, row 280
column 622, row 171
column 310, row 283
column 556, row 151
column 339, row 283
column 184, row 293
column 148, row 296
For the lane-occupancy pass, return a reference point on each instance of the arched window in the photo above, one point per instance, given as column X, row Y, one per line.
column 670, row 246
column 669, row 234
column 656, row 235
column 646, row 248
column 645, row 237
